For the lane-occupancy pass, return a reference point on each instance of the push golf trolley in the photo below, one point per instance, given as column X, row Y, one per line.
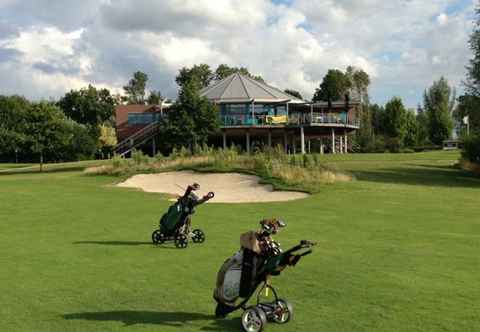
column 241, row 275
column 175, row 224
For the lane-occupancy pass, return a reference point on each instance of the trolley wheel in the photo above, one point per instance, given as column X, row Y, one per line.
column 198, row 236
column 253, row 319
column 283, row 311
column 181, row 241
column 158, row 237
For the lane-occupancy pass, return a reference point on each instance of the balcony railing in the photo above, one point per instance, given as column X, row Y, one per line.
column 322, row 118
column 292, row 119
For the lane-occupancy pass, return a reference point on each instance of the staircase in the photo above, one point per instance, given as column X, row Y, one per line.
column 140, row 137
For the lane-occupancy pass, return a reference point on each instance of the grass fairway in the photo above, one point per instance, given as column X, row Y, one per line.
column 398, row 251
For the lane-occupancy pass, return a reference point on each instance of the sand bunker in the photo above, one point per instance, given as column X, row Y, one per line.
column 228, row 187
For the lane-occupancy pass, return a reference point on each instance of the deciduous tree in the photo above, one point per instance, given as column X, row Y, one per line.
column 438, row 102
column 135, row 90
column 89, row 106
column 224, row 71
column 395, row 119
column 334, row 86
column 201, row 73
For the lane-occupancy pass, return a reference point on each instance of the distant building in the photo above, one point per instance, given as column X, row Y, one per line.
column 253, row 115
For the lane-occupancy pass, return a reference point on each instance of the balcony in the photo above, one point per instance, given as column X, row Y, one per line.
column 326, row 119
column 294, row 119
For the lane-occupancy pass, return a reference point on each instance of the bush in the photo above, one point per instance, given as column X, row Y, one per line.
column 139, row 158
column 471, row 149
column 393, row 144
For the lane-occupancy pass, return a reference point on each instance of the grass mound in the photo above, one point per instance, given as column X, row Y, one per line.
column 305, row 173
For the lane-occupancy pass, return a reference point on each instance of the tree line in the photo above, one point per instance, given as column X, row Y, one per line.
column 50, row 131
column 469, row 103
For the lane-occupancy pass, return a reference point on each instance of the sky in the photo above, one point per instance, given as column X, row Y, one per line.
column 48, row 47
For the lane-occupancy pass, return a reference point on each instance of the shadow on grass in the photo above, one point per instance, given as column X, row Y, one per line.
column 429, row 175
column 172, row 319
column 115, row 243
column 127, row 243
column 21, row 171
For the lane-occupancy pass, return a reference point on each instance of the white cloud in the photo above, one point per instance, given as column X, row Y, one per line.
column 404, row 45
column 442, row 19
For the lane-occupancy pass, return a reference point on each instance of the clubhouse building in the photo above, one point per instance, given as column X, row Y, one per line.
column 255, row 115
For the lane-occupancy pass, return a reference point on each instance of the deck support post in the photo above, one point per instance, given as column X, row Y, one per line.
column 302, row 140
column 341, row 144
column 346, row 142
column 248, row 141
column 154, row 147
column 333, row 141
column 269, row 138
column 253, row 111
column 285, row 141
column 294, row 147
column 309, row 146
column 224, row 136
column 322, row 148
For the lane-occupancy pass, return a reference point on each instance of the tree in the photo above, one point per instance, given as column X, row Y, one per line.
column 359, row 82
column 224, row 71
column 334, row 86
column 438, row 102
column 78, row 145
column 422, row 129
column 192, row 119
column 294, row 93
column 89, row 106
column 469, row 103
column 48, row 130
column 395, row 123
column 377, row 115
column 472, row 83
column 13, row 135
column 155, row 98
column 364, row 137
column 201, row 73
column 411, row 129
column 135, row 90
column 107, row 139
column 469, row 106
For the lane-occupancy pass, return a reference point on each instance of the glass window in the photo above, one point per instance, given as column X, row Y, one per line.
column 281, row 110
column 234, row 109
column 143, row 118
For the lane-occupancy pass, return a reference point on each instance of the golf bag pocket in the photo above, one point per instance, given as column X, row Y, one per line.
column 249, row 270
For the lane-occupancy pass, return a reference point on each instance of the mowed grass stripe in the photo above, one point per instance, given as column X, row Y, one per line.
column 398, row 251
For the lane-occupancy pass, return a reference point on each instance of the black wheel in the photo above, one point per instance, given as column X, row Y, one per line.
column 158, row 237
column 253, row 319
column 198, row 236
column 181, row 241
column 283, row 311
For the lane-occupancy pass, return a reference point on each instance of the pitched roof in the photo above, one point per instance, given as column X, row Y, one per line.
column 240, row 88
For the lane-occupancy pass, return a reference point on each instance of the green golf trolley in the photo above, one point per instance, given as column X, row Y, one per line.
column 259, row 258
column 175, row 224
